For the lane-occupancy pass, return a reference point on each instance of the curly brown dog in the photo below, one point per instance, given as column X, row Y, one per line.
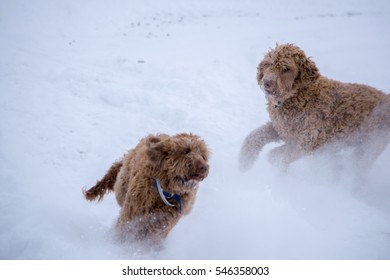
column 155, row 184
column 308, row 110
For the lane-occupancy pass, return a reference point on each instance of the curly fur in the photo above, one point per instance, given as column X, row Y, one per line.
column 178, row 162
column 308, row 110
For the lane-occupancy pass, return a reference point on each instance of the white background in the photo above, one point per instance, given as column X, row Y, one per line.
column 82, row 81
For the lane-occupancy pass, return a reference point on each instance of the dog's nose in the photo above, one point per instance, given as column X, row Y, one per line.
column 269, row 85
column 203, row 168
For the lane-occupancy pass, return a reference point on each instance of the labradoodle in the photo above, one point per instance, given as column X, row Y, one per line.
column 155, row 184
column 308, row 110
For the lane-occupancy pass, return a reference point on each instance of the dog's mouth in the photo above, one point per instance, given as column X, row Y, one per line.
column 194, row 176
column 272, row 93
column 191, row 180
column 273, row 98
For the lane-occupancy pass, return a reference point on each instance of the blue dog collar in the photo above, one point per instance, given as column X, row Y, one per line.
column 167, row 195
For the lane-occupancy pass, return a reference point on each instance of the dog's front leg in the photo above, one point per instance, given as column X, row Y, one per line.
column 284, row 155
column 155, row 226
column 254, row 143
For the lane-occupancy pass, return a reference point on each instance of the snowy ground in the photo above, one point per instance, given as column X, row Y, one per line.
column 82, row 81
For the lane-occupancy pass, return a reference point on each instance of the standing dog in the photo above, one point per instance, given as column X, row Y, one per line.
column 308, row 110
column 155, row 184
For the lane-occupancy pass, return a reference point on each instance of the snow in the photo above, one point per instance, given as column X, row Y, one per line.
column 81, row 82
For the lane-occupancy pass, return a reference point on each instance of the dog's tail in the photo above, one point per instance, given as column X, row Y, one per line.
column 106, row 184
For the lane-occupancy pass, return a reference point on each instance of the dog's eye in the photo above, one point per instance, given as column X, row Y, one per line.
column 265, row 64
column 187, row 151
column 286, row 69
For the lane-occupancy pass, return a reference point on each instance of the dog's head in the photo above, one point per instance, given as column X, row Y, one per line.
column 182, row 158
column 283, row 71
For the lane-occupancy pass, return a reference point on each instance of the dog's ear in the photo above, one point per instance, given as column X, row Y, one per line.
column 157, row 150
column 308, row 71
